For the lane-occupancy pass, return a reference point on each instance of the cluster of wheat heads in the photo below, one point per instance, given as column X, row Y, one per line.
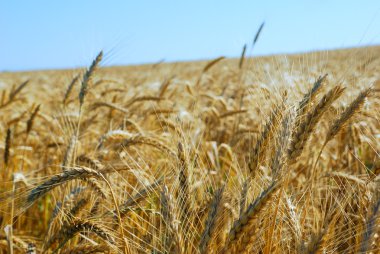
column 264, row 155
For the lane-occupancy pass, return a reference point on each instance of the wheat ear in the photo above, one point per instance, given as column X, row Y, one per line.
column 370, row 226
column 87, row 77
column 306, row 127
column 243, row 197
column 257, row 35
column 262, row 143
column 210, row 225
column 29, row 123
column 343, row 119
column 7, row 146
column 142, row 98
column 171, row 237
column 183, row 195
column 207, row 67
column 69, row 230
column 282, row 142
column 242, row 56
column 57, row 180
column 243, row 229
column 12, row 94
column 309, row 98
column 69, row 89
column 140, row 139
column 69, row 154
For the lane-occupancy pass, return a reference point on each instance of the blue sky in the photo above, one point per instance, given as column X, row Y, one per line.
column 63, row 34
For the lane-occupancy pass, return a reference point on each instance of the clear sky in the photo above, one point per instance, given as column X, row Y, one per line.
column 36, row 34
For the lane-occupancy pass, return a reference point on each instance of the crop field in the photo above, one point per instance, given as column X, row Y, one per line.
column 276, row 154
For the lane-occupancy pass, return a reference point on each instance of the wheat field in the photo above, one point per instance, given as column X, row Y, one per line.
column 276, row 154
